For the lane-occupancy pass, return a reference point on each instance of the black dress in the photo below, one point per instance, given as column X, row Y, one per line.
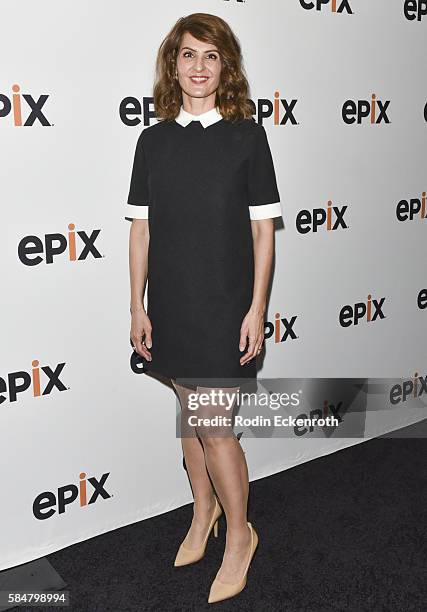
column 200, row 184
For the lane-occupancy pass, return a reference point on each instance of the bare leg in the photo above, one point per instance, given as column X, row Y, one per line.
column 201, row 485
column 227, row 467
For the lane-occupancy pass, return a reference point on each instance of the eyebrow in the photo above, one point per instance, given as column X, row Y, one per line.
column 207, row 51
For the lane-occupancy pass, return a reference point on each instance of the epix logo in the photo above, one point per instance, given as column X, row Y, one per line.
column 282, row 110
column 330, row 219
column 356, row 111
column 369, row 312
column 20, row 381
column 422, row 299
column 412, row 388
column 336, row 6
column 33, row 250
column 415, row 9
column 281, row 329
column 23, row 108
column 317, row 413
column 409, row 209
column 47, row 503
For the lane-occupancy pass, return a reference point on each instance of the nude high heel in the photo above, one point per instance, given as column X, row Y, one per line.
column 221, row 590
column 185, row 556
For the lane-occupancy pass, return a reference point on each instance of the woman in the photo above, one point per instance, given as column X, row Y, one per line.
column 202, row 197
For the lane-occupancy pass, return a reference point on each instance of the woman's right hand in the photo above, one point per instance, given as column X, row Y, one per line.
column 140, row 333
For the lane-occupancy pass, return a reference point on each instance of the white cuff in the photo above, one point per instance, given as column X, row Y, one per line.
column 136, row 212
column 265, row 211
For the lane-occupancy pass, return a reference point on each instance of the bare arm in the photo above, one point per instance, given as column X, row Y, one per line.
column 253, row 323
column 139, row 238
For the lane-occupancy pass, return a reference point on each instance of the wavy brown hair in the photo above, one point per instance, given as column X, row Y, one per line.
column 232, row 93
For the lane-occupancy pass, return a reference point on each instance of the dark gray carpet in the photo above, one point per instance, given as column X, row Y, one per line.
column 342, row 532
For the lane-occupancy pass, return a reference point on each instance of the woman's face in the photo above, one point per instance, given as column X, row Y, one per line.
column 198, row 59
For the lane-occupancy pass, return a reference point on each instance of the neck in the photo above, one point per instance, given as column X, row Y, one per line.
column 197, row 106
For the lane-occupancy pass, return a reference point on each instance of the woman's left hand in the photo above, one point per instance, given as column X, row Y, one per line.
column 252, row 328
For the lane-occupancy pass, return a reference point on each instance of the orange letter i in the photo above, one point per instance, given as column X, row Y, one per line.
column 329, row 216
column 83, row 497
column 16, row 102
column 415, row 384
column 373, row 108
column 277, row 327
column 72, row 242
column 36, row 378
column 276, row 108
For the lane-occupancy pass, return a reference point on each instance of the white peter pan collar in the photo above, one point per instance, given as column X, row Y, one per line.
column 206, row 119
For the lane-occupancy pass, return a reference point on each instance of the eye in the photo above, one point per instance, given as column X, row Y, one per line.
column 213, row 55
column 186, row 52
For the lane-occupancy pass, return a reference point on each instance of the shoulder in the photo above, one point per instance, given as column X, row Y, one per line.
column 150, row 134
column 248, row 129
column 248, row 125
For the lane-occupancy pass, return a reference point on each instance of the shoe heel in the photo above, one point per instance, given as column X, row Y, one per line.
column 185, row 556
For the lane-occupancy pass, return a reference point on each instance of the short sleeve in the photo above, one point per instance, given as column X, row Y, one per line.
column 264, row 198
column 138, row 199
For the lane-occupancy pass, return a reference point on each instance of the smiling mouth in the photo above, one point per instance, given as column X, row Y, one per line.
column 199, row 79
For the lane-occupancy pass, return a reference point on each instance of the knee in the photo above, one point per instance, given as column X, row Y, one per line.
column 215, row 440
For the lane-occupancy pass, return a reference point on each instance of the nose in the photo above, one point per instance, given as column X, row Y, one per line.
column 200, row 63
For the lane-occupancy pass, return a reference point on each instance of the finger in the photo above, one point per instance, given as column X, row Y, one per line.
column 148, row 339
column 243, row 338
column 140, row 348
column 261, row 344
column 250, row 352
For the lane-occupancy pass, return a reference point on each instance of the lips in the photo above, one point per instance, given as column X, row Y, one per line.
column 199, row 79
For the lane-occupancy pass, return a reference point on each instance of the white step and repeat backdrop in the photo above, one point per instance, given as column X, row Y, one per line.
column 88, row 442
